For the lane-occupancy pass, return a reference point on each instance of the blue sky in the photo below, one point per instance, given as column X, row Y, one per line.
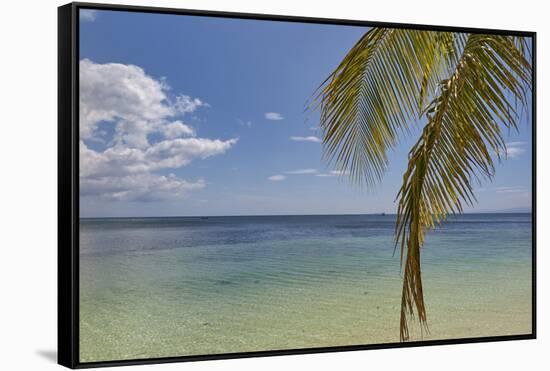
column 189, row 115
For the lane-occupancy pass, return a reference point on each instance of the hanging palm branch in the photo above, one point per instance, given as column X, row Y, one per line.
column 463, row 88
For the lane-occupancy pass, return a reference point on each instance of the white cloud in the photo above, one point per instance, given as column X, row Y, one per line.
column 179, row 152
column 513, row 189
column 186, row 104
column 339, row 172
column 301, row 172
column 274, row 116
column 333, row 173
column 136, row 106
column 119, row 160
column 277, row 178
column 514, row 152
column 306, row 139
column 138, row 187
column 514, row 149
column 177, row 129
column 88, row 15
column 124, row 95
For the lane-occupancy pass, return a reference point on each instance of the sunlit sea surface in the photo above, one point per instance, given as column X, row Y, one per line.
column 159, row 287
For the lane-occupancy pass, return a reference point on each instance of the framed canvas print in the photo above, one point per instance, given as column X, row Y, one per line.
column 236, row 185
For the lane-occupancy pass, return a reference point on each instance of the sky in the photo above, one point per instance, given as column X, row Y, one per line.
column 186, row 115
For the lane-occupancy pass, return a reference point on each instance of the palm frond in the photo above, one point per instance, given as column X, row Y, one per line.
column 457, row 146
column 377, row 92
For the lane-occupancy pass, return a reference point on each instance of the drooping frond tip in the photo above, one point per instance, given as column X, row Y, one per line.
column 457, row 145
column 463, row 87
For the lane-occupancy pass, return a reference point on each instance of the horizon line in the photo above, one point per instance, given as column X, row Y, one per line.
column 265, row 215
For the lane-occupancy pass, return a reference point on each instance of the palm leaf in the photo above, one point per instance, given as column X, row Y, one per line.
column 457, row 146
column 475, row 85
column 375, row 94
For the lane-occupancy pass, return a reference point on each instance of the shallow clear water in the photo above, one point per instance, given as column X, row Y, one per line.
column 159, row 287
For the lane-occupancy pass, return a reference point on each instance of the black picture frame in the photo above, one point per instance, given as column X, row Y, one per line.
column 68, row 185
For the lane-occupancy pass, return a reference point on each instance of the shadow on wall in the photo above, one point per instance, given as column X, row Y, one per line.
column 50, row 355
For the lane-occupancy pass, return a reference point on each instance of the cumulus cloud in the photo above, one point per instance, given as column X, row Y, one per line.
column 138, row 187
column 277, row 178
column 274, row 116
column 88, row 15
column 186, row 104
column 120, row 160
column 136, row 105
column 306, row 139
column 122, row 94
column 177, row 129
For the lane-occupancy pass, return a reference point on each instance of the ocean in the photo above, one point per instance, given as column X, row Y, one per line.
column 177, row 286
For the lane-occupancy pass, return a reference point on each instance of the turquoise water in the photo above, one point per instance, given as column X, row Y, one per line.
column 159, row 287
